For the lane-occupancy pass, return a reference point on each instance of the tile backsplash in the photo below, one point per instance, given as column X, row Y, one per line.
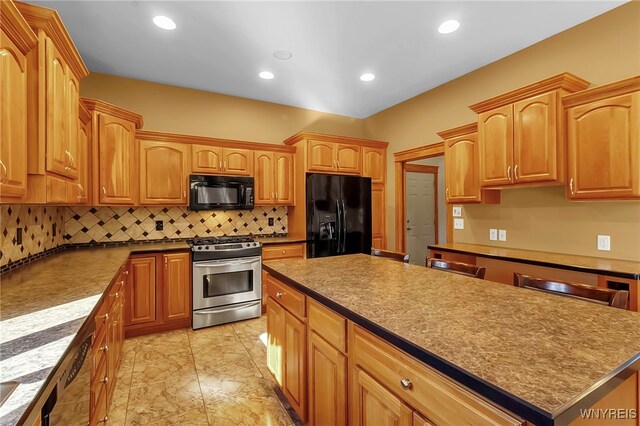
column 118, row 224
column 37, row 223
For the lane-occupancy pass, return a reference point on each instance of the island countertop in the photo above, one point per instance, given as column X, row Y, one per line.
column 43, row 305
column 540, row 355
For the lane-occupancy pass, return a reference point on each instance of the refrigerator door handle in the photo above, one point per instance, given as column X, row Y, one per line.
column 344, row 226
column 338, row 225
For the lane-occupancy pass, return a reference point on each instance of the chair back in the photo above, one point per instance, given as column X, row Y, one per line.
column 401, row 257
column 457, row 267
column 614, row 298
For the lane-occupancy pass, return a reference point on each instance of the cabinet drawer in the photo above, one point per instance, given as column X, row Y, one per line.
column 282, row 251
column 290, row 299
column 328, row 324
column 99, row 349
column 437, row 397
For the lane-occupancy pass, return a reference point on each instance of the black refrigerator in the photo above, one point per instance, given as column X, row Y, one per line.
column 338, row 215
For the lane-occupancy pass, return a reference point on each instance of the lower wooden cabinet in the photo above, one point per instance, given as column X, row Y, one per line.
column 373, row 405
column 159, row 294
column 327, row 383
column 278, row 251
column 287, row 348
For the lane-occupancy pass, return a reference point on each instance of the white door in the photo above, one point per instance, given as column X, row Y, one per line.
column 421, row 215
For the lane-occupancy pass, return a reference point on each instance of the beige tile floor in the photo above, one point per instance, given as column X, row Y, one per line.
column 213, row 376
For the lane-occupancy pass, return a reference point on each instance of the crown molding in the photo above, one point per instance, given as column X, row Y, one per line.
column 203, row 140
column 459, row 131
column 116, row 111
column 333, row 138
column 621, row 87
column 16, row 27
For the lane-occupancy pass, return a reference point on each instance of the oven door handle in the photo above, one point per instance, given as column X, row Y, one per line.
column 234, row 308
column 225, row 263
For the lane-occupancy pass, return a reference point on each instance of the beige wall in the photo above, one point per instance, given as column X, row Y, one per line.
column 175, row 109
column 602, row 50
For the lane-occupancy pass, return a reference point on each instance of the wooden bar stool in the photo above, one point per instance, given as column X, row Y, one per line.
column 401, row 257
column 615, row 298
column 457, row 267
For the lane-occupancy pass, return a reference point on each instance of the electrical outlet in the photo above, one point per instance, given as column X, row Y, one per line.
column 159, row 225
column 458, row 223
column 493, row 234
column 270, row 221
column 19, row 236
column 604, row 242
column 502, row 234
column 457, row 211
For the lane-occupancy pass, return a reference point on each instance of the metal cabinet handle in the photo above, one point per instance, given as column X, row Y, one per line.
column 184, row 193
column 103, row 420
column 220, row 165
column 279, row 294
column 105, row 380
column 515, row 172
column 224, row 166
column 276, row 195
column 446, row 193
column 284, row 251
column 104, row 190
column 406, row 384
column 126, row 272
column 509, row 174
column 4, row 172
column 571, row 186
column 105, row 316
column 105, row 348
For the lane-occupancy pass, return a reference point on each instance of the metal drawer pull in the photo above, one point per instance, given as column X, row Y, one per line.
column 515, row 172
column 571, row 186
column 105, row 316
column 234, row 308
column 284, row 251
column 509, row 174
column 4, row 172
column 105, row 380
column 103, row 420
column 105, row 348
column 406, row 384
column 279, row 294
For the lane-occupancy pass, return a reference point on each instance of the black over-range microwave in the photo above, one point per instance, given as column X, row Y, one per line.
column 220, row 192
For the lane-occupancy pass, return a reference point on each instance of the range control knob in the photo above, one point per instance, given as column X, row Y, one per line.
column 206, row 247
column 199, row 247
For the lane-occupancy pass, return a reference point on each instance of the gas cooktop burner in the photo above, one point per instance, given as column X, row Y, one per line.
column 221, row 240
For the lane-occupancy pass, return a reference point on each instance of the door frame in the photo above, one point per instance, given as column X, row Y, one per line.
column 423, row 168
column 401, row 160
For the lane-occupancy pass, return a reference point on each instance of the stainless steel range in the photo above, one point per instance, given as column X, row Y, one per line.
column 227, row 281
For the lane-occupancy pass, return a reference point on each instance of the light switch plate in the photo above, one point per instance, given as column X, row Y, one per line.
column 457, row 211
column 502, row 235
column 493, row 234
column 604, row 242
column 458, row 223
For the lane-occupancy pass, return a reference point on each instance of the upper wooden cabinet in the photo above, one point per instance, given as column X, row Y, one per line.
column 520, row 137
column 164, row 170
column 273, row 178
column 114, row 153
column 16, row 41
column 461, row 167
column 603, row 138
column 373, row 163
column 333, row 157
column 219, row 160
column 82, row 186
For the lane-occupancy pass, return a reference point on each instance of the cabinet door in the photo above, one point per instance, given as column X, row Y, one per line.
column 275, row 340
column 237, row 162
column 373, row 164
column 295, row 357
column 284, row 184
column 163, row 172
column 348, row 158
column 13, row 120
column 206, row 159
column 264, row 178
column 461, row 169
column 418, row 420
column 141, row 293
column 72, row 117
column 374, row 405
column 117, row 161
column 495, row 139
column 377, row 214
column 327, row 383
column 321, row 156
column 112, row 353
column 57, row 112
column 535, row 124
column 603, row 148
column 176, row 288
column 84, row 139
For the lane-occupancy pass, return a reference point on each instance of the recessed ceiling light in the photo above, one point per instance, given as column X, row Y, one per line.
column 367, row 77
column 266, row 75
column 164, row 22
column 282, row 54
column 448, row 26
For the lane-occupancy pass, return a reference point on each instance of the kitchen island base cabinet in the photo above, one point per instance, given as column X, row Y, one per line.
column 327, row 383
column 159, row 294
column 374, row 405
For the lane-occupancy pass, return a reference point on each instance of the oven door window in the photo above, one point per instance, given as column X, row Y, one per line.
column 214, row 285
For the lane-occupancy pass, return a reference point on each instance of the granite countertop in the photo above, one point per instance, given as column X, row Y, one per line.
column 43, row 305
column 525, row 345
column 625, row 268
column 281, row 239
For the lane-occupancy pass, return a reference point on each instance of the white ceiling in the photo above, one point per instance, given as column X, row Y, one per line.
column 222, row 46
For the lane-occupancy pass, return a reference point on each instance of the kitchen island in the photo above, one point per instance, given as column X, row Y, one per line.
column 535, row 356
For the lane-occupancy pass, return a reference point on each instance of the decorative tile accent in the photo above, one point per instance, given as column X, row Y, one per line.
column 37, row 231
column 126, row 224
